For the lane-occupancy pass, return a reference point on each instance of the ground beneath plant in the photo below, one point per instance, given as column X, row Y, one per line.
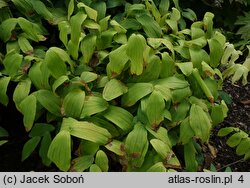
column 224, row 156
column 238, row 116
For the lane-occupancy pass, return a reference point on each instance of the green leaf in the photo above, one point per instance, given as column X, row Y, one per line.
column 123, row 121
column 60, row 150
column 136, row 146
column 235, row 139
column 200, row 122
column 42, row 10
column 55, row 63
column 180, row 94
column 73, row 103
column 158, row 167
column 88, row 46
column 88, row 76
column 216, row 52
column 225, row 131
column 86, row 130
column 150, row 26
column 71, row 7
column 92, row 13
column 95, row 168
column 118, row 27
column 88, row 148
column 43, row 151
column 21, row 91
column 179, row 112
column 61, row 80
column 186, row 68
column 243, row 147
column 28, row 109
column 6, row 28
column 136, row 91
column 30, row 29
column 135, row 48
column 41, row 129
column 113, row 89
column 161, row 148
column 171, row 82
column 49, row 101
column 29, row 147
column 102, row 161
column 117, row 60
column 3, row 132
column 186, row 132
column 93, row 105
column 161, row 134
column 64, row 29
column 25, row 45
column 12, row 63
column 82, row 163
column 154, row 108
column 4, row 82
column 217, row 114
column 190, row 157
column 117, row 147
column 164, row 6
column 39, row 75
column 197, row 56
column 76, row 21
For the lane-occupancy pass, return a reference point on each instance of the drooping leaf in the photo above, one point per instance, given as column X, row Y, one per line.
column 216, row 52
column 186, row 68
column 60, row 150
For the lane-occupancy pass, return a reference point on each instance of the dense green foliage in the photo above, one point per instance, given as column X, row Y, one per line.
column 129, row 82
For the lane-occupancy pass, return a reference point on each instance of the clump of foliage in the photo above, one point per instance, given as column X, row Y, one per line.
column 137, row 87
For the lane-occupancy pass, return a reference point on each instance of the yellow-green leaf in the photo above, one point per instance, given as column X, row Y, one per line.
column 113, row 89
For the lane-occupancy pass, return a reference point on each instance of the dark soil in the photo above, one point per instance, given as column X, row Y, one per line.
column 238, row 116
